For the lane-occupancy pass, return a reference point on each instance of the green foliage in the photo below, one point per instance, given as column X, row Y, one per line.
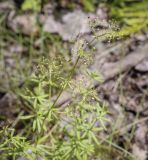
column 133, row 16
column 15, row 146
column 80, row 130
column 88, row 5
column 34, row 5
column 70, row 132
column 94, row 75
column 78, row 123
column 48, row 130
column 45, row 80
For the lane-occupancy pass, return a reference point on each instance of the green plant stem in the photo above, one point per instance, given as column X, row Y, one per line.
column 62, row 89
column 68, row 79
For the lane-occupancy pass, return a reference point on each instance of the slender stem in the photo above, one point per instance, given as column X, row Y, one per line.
column 68, row 79
column 62, row 89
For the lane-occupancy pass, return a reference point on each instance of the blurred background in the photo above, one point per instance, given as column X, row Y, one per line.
column 33, row 29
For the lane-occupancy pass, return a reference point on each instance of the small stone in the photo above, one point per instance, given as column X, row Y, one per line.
column 51, row 25
column 143, row 66
column 26, row 24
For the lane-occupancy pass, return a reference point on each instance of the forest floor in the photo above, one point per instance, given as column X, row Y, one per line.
column 123, row 65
